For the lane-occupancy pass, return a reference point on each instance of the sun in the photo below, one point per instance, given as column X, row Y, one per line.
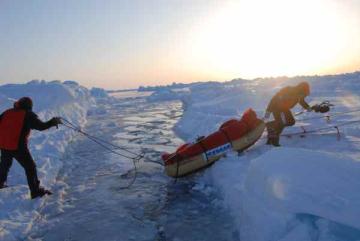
column 253, row 38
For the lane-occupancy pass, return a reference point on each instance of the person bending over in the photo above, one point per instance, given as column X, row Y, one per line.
column 280, row 107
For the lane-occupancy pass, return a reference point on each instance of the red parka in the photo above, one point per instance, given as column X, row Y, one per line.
column 15, row 127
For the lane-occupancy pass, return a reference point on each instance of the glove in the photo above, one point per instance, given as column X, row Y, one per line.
column 55, row 121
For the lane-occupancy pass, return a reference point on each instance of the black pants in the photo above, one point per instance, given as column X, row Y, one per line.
column 281, row 120
column 26, row 161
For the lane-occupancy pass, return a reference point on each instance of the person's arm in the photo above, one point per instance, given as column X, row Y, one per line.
column 304, row 104
column 36, row 124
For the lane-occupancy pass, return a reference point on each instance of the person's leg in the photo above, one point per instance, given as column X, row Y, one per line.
column 279, row 127
column 290, row 120
column 271, row 130
column 274, row 129
column 26, row 161
column 5, row 164
column 284, row 119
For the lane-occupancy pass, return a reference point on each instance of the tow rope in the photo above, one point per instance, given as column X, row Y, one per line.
column 134, row 157
column 304, row 131
column 327, row 117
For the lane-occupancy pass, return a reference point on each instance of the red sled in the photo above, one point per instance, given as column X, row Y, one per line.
column 236, row 135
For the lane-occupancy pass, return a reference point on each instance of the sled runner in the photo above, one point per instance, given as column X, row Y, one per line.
column 236, row 135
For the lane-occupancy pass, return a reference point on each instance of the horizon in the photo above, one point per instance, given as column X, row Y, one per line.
column 169, row 84
column 127, row 44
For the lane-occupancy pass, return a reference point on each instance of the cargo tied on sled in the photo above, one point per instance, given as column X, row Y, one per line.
column 236, row 135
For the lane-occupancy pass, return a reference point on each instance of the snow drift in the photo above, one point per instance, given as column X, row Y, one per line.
column 286, row 183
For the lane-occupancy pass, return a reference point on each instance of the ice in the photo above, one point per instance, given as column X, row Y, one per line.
column 99, row 93
column 96, row 206
column 290, row 181
column 305, row 190
column 166, row 94
column 269, row 192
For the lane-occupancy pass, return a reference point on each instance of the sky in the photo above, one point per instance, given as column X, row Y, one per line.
column 118, row 44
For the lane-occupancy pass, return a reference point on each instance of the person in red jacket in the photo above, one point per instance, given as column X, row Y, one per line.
column 280, row 107
column 15, row 127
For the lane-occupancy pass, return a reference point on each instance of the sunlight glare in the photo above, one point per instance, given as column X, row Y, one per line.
column 253, row 38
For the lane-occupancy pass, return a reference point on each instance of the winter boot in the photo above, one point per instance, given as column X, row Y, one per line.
column 3, row 185
column 275, row 141
column 269, row 141
column 40, row 193
column 271, row 133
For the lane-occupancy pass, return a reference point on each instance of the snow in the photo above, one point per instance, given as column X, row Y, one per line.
column 68, row 100
column 290, row 181
column 305, row 190
column 167, row 94
column 99, row 93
